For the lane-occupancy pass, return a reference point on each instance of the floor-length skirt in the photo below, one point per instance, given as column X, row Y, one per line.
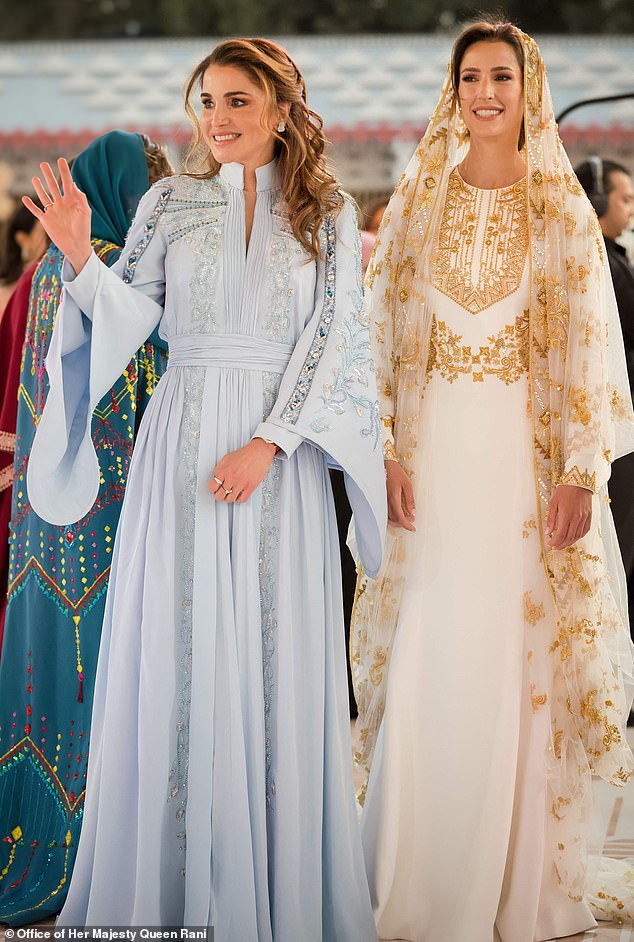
column 220, row 783
column 455, row 825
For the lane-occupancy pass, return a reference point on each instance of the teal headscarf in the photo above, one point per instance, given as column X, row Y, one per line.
column 112, row 172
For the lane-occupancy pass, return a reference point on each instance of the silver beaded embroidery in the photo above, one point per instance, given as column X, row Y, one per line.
column 279, row 289
column 194, row 381
column 195, row 206
column 305, row 380
column 148, row 232
column 268, row 564
column 349, row 384
column 196, row 215
column 206, row 245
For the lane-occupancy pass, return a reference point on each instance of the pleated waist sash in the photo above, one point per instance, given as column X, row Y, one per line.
column 232, row 351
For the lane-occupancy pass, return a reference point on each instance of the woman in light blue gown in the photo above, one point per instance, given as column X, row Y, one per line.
column 220, row 783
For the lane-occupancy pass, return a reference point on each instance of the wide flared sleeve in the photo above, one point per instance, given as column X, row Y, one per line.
column 383, row 298
column 104, row 317
column 328, row 392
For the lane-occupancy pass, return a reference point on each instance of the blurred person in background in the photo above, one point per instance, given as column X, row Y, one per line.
column 492, row 658
column 22, row 242
column 374, row 214
column 220, row 786
column 12, row 329
column 58, row 574
column 367, row 247
column 610, row 188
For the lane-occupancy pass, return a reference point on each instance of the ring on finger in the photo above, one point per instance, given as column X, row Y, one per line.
column 218, row 481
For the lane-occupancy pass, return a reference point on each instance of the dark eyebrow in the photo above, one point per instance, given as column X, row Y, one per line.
column 496, row 68
column 227, row 95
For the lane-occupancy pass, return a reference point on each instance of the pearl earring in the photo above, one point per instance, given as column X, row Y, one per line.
column 281, row 127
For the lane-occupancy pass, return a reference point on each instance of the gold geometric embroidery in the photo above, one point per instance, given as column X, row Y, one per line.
column 389, row 451
column 505, row 356
column 476, row 282
column 580, row 479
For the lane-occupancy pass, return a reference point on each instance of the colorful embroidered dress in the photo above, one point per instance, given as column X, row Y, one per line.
column 12, row 328
column 220, row 782
column 58, row 578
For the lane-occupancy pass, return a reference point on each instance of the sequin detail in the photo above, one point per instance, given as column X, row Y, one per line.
column 196, row 204
column 305, row 380
column 478, row 272
column 504, row 356
column 278, row 321
column 148, row 232
column 348, row 387
column 268, row 565
column 196, row 215
column 206, row 245
column 192, row 411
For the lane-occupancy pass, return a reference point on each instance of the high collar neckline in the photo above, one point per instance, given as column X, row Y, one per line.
column 267, row 177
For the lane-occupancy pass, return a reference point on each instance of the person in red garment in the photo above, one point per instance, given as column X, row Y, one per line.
column 12, row 330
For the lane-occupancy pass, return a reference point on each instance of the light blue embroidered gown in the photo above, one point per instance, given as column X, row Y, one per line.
column 219, row 783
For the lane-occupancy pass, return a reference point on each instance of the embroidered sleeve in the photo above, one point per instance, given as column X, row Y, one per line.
column 381, row 337
column 149, row 228
column 305, row 379
column 580, row 478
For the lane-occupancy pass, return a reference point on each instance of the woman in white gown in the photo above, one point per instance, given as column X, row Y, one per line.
column 493, row 645
column 220, row 782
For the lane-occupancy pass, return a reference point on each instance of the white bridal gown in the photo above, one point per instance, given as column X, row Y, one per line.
column 456, row 819
column 220, row 782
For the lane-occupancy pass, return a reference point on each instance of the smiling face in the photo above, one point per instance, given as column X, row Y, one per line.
column 491, row 92
column 234, row 122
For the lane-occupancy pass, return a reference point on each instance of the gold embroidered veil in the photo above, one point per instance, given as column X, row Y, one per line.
column 582, row 418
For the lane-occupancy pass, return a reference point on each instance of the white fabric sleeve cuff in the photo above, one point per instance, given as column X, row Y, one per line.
column 286, row 440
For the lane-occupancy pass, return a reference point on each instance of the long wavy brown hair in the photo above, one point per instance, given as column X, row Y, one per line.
column 308, row 187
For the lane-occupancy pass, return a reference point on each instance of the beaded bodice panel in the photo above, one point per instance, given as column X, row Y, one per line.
column 482, row 244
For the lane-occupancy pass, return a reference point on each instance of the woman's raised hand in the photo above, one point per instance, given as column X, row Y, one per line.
column 65, row 214
column 400, row 497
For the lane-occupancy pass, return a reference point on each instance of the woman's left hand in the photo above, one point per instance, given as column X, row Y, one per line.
column 237, row 475
column 569, row 515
